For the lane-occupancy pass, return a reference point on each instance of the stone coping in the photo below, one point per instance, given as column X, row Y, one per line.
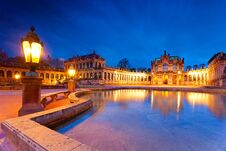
column 167, row 88
column 30, row 132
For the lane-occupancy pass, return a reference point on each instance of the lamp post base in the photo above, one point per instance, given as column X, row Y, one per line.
column 30, row 108
column 71, row 85
column 31, row 95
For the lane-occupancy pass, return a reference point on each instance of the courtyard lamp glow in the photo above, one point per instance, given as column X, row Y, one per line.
column 17, row 76
column 71, row 72
column 32, row 49
column 71, row 82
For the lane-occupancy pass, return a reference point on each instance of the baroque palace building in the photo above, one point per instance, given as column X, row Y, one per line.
column 92, row 70
column 166, row 70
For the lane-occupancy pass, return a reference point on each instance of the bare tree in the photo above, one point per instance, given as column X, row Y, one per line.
column 123, row 64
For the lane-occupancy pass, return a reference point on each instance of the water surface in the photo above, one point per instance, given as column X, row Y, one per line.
column 151, row 120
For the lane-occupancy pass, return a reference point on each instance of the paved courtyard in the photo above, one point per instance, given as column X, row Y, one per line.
column 11, row 101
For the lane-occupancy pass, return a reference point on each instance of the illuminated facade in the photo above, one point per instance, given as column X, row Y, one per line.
column 217, row 69
column 10, row 75
column 167, row 70
column 92, row 70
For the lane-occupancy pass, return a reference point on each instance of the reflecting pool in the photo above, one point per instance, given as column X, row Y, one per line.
column 151, row 120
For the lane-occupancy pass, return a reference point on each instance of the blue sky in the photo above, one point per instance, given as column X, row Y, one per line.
column 139, row 30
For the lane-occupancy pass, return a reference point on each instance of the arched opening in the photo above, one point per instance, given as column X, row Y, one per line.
column 95, row 75
column 174, row 79
column 61, row 76
column 2, row 74
column 47, row 76
column 9, row 74
column 165, row 79
column 149, row 78
column 42, row 75
column 100, row 77
column 52, row 76
column 165, row 67
column 174, row 67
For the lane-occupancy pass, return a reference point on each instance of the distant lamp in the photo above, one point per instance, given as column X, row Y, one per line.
column 179, row 72
column 32, row 48
column 17, row 76
column 71, row 82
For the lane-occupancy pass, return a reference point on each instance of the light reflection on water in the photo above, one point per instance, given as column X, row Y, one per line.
column 164, row 101
column 145, row 119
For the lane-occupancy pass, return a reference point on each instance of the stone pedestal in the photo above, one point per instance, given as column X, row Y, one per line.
column 71, row 85
column 31, row 95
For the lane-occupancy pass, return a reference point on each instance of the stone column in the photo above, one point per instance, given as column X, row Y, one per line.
column 31, row 95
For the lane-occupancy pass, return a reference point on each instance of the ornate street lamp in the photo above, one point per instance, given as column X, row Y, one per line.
column 32, row 48
column 71, row 82
column 31, row 95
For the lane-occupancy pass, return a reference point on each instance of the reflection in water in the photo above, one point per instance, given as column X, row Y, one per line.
column 121, row 97
column 164, row 101
column 215, row 103
column 132, row 120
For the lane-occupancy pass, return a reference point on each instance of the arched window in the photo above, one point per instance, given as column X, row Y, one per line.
column 174, row 67
column 109, row 76
column 185, row 78
column 2, row 74
column 112, row 76
column 57, row 76
column 156, row 68
column 100, row 77
column 91, row 75
column 47, row 76
column 105, row 75
column 42, row 75
column 52, row 76
column 149, row 78
column 61, row 76
column 165, row 67
column 9, row 74
column 190, row 78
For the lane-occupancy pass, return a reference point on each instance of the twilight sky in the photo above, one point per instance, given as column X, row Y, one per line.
column 137, row 29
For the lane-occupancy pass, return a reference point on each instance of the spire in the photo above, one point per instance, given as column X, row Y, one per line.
column 164, row 52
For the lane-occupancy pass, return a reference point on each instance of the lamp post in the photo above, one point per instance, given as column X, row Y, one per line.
column 71, row 82
column 31, row 92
